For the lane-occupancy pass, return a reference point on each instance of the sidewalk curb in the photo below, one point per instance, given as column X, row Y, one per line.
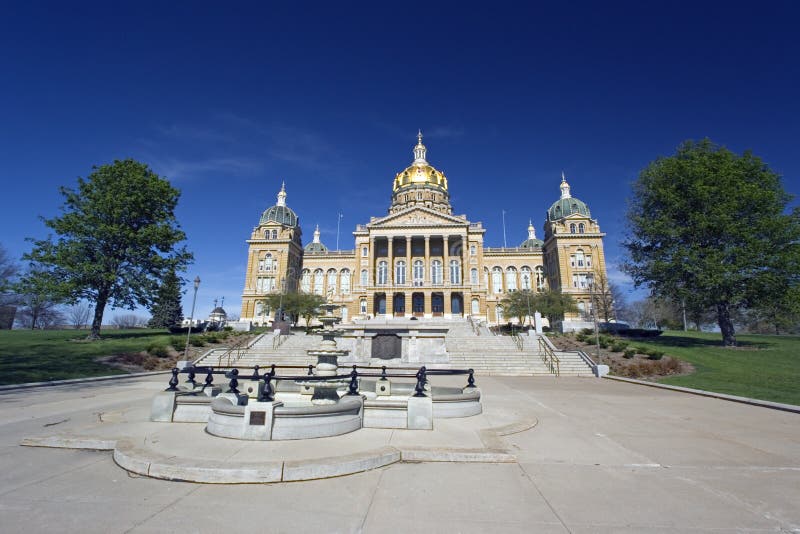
column 10, row 387
column 703, row 393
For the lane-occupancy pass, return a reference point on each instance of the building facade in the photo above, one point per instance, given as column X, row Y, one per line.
column 421, row 260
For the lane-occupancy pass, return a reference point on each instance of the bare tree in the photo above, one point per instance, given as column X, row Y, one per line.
column 37, row 311
column 79, row 315
column 602, row 296
column 129, row 320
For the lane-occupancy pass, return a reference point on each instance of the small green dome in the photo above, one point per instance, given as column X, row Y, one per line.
column 531, row 243
column 565, row 207
column 316, row 247
column 281, row 215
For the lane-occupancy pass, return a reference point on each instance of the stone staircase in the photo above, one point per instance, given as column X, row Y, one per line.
column 494, row 355
column 484, row 352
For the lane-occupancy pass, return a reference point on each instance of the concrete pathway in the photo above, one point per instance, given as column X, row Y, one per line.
column 604, row 457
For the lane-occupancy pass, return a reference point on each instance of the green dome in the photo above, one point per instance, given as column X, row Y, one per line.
column 531, row 243
column 316, row 247
column 565, row 207
column 281, row 215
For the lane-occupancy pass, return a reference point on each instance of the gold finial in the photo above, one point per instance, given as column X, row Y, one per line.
column 419, row 151
column 282, row 195
column 419, row 136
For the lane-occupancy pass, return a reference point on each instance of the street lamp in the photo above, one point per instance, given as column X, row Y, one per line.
column 592, row 296
column 191, row 317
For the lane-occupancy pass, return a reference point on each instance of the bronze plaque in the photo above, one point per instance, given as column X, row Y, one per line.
column 258, row 418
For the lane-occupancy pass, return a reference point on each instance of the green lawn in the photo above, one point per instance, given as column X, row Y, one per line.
column 762, row 367
column 39, row 355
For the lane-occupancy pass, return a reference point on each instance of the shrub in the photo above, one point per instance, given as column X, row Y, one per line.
column 587, row 331
column 641, row 350
column 655, row 355
column 158, row 350
column 197, row 341
column 211, row 338
column 629, row 353
column 618, row 346
column 177, row 342
column 228, row 329
column 603, row 344
column 581, row 338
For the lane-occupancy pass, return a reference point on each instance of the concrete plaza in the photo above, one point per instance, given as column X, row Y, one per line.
column 603, row 456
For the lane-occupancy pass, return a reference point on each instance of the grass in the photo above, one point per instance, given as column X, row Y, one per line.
column 762, row 367
column 40, row 355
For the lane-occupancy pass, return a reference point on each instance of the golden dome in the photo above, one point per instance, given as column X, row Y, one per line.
column 420, row 172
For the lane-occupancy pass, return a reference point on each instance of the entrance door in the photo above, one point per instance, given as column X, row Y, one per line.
column 399, row 305
column 380, row 304
column 418, row 304
column 437, row 304
column 456, row 304
column 386, row 346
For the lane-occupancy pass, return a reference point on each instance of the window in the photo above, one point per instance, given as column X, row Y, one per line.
column 419, row 273
column 382, row 268
column 580, row 280
column 345, row 278
column 400, row 273
column 486, row 277
column 274, row 234
column 265, row 284
column 419, row 195
column 511, row 279
column 473, row 276
column 364, row 252
column 268, row 263
column 318, row 281
column 331, row 280
column 572, row 228
column 497, row 280
column 363, row 306
column 581, row 228
column 525, row 278
column 540, row 283
column 455, row 272
column 364, row 278
column 588, row 261
column 579, row 259
column 436, row 272
column 266, row 234
column 476, row 306
column 473, row 250
column 305, row 281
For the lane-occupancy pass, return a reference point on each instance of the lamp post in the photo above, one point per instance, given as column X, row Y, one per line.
column 191, row 317
column 592, row 296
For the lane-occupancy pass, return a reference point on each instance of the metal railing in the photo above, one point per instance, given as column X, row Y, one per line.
column 549, row 356
column 235, row 351
column 474, row 326
column 278, row 340
column 518, row 341
column 267, row 393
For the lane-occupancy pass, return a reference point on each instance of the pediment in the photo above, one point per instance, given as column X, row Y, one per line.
column 417, row 217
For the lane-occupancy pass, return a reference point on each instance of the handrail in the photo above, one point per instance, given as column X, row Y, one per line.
column 549, row 356
column 278, row 340
column 239, row 347
column 518, row 341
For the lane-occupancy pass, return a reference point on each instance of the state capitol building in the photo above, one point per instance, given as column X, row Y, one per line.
column 420, row 260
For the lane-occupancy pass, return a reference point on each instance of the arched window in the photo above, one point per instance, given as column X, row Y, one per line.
column 364, row 278
column 363, row 306
column 473, row 250
column 497, row 280
column 305, row 281
column 572, row 228
column 400, row 272
column 582, row 308
column 476, row 306
column 511, row 279
column 382, row 268
column 268, row 263
column 419, row 273
column 540, row 283
column 436, row 272
column 473, row 276
column 331, row 280
column 274, row 234
column 266, row 234
column 581, row 228
column 580, row 260
column 345, row 279
column 525, row 278
column 486, row 278
column 364, row 252
column 455, row 272
column 318, row 278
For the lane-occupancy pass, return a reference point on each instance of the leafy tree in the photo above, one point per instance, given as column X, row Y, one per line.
column 8, row 271
column 38, row 301
column 553, row 304
column 710, row 226
column 167, row 309
column 519, row 304
column 117, row 238
column 297, row 304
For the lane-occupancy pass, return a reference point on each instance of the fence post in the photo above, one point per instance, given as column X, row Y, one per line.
column 234, row 383
column 471, row 379
column 173, row 382
column 420, row 387
column 353, row 382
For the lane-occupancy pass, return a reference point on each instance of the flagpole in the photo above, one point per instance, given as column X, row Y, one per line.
column 504, row 229
column 338, row 220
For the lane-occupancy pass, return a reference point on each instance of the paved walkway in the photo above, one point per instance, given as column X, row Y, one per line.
column 604, row 456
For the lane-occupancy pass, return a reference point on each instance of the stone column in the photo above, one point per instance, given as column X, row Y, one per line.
column 426, row 263
column 371, row 274
column 390, row 259
column 446, row 304
column 446, row 259
column 409, row 270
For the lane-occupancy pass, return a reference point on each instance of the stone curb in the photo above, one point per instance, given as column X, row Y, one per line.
column 703, row 393
column 59, row 442
column 432, row 454
column 10, row 387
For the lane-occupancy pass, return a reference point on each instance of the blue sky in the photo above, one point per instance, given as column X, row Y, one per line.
column 228, row 101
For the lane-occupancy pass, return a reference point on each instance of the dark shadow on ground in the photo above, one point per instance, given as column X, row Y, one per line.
column 689, row 342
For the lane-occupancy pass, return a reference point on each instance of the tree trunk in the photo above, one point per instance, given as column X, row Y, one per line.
column 726, row 324
column 99, row 308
